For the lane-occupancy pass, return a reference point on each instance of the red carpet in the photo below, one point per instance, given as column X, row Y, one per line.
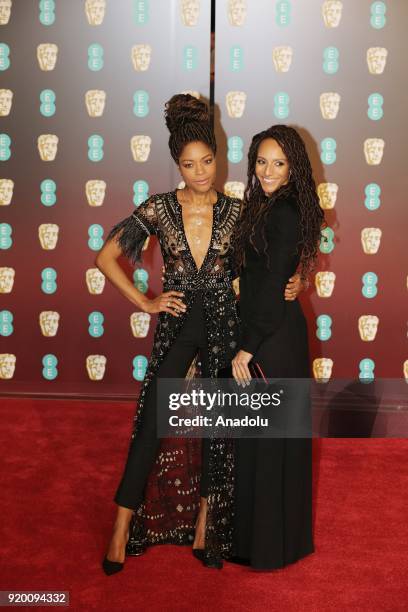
column 61, row 462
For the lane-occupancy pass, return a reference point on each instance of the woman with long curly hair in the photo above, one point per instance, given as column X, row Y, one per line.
column 279, row 231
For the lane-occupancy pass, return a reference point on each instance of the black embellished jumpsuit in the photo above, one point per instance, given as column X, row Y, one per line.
column 163, row 478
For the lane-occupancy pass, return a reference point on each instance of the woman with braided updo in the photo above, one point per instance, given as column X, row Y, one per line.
column 279, row 231
column 180, row 490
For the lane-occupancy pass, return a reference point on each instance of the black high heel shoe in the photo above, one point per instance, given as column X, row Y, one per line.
column 207, row 559
column 113, row 567
column 198, row 553
column 212, row 561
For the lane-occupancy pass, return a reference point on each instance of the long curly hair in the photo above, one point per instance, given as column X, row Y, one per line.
column 188, row 120
column 301, row 184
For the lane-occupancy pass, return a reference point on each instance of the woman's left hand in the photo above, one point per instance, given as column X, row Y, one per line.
column 293, row 288
column 240, row 370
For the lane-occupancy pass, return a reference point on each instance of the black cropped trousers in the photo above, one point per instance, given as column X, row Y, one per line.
column 144, row 447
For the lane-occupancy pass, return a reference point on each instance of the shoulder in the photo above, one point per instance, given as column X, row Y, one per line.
column 229, row 212
column 157, row 198
column 231, row 204
column 285, row 208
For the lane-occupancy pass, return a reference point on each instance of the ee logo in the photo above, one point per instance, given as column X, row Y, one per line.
column 375, row 102
column 139, row 367
column 48, row 197
column 281, row 108
column 328, row 151
column 47, row 106
column 6, row 323
column 330, row 60
column 141, row 103
column 366, row 373
column 95, row 148
column 141, row 280
column 141, row 12
column 95, row 328
column 326, row 241
column 235, row 145
column 372, row 200
column 95, row 57
column 49, row 277
column 95, row 233
column 369, row 289
column 47, row 14
column 140, row 192
column 5, row 142
column 324, row 323
column 283, row 16
column 378, row 18
column 49, row 371
column 5, row 236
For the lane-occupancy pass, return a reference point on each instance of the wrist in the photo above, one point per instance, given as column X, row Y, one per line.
column 143, row 303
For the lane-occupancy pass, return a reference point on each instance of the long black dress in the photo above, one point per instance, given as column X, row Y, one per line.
column 273, row 477
column 168, row 511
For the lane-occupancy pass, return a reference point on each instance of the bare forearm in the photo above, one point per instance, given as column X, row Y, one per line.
column 114, row 273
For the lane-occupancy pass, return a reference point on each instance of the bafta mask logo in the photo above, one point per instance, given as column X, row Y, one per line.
column 47, row 56
column 95, row 366
column 95, row 102
column 6, row 279
column 190, row 12
column 367, row 327
column 376, row 59
column 371, row 239
column 329, row 104
column 374, row 151
column 48, row 234
column 49, row 321
column 327, row 193
column 322, row 369
column 141, row 56
column 324, row 282
column 405, row 370
column 237, row 12
column 191, row 92
column 140, row 146
column 95, row 11
column 95, row 192
column 139, row 323
column 331, row 11
column 234, row 189
column 235, row 101
column 95, row 281
column 5, row 11
column 6, row 191
column 47, row 146
column 282, row 58
column 6, row 99
column 7, row 365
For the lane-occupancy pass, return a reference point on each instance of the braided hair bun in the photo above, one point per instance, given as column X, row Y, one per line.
column 188, row 120
column 184, row 108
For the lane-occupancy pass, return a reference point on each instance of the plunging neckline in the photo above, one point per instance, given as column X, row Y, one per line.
column 180, row 212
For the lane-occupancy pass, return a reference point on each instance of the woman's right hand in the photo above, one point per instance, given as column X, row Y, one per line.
column 169, row 301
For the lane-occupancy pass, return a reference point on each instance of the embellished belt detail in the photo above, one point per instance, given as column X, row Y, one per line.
column 196, row 283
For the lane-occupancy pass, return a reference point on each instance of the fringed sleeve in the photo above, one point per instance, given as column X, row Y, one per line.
column 131, row 232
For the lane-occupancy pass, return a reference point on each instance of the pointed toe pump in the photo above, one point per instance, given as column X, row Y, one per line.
column 111, row 567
